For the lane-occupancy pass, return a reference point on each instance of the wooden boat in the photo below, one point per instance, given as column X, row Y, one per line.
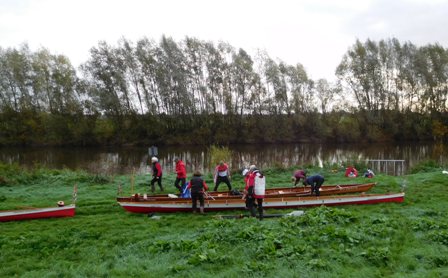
column 35, row 213
column 270, row 192
column 178, row 205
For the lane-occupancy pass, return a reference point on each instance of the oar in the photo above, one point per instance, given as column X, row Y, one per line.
column 208, row 195
column 75, row 193
column 238, row 216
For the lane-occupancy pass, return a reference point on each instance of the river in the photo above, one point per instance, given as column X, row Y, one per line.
column 111, row 161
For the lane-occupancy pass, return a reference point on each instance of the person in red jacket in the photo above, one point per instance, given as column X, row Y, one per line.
column 181, row 174
column 351, row 172
column 198, row 187
column 222, row 174
column 156, row 174
column 299, row 174
column 252, row 193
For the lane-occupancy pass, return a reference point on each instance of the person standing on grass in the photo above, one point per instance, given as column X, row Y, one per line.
column 299, row 174
column 222, row 174
column 255, row 190
column 198, row 188
column 181, row 174
column 156, row 174
column 315, row 181
column 245, row 174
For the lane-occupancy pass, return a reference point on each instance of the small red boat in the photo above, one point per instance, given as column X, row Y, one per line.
column 61, row 210
column 35, row 213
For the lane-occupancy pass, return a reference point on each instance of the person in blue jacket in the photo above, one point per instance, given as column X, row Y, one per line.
column 315, row 182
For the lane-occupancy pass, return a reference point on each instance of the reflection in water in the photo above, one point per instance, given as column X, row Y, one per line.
column 111, row 161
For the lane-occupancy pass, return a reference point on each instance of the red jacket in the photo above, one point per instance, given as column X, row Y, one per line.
column 180, row 170
column 224, row 169
column 300, row 174
column 156, row 169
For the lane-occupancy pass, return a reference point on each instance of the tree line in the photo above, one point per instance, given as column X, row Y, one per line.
column 200, row 92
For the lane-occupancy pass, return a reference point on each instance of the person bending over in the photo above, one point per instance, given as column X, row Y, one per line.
column 315, row 182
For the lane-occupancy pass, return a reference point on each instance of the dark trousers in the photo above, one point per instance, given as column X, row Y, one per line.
column 315, row 186
column 220, row 179
column 159, row 182
column 195, row 196
column 182, row 182
column 250, row 203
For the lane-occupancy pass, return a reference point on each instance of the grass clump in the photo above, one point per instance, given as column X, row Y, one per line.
column 425, row 166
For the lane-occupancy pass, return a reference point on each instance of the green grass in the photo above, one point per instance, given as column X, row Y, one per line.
column 102, row 240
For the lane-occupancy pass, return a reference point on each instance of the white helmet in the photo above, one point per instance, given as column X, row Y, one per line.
column 154, row 159
column 245, row 171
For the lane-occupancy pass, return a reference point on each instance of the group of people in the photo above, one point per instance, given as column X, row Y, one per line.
column 351, row 172
column 315, row 181
column 254, row 182
column 196, row 185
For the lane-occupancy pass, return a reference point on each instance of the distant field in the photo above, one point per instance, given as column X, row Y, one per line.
column 102, row 240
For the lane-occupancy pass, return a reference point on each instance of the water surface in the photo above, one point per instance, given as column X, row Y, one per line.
column 135, row 159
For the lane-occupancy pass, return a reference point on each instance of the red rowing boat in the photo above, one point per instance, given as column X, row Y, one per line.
column 214, row 204
column 270, row 192
column 35, row 213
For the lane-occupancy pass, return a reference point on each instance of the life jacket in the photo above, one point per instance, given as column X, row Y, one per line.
column 259, row 185
column 197, row 185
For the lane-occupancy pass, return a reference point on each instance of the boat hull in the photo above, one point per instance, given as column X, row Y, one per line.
column 14, row 215
column 270, row 192
column 180, row 205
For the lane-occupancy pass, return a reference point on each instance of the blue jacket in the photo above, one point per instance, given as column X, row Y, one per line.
column 314, row 179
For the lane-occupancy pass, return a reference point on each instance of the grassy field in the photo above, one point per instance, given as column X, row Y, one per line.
column 384, row 240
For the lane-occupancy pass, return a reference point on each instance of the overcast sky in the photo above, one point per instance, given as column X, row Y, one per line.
column 315, row 33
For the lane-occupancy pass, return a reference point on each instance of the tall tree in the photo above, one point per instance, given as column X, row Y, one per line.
column 105, row 72
column 15, row 72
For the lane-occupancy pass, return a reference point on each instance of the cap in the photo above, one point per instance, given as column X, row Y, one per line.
column 154, row 159
column 245, row 171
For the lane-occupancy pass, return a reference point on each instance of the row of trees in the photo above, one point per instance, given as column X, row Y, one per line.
column 389, row 75
column 204, row 92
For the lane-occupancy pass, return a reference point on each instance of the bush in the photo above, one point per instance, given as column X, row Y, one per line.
column 218, row 154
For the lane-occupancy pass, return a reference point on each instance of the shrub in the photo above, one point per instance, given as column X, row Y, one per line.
column 218, row 154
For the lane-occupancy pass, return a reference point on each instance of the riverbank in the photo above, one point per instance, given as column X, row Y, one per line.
column 408, row 239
